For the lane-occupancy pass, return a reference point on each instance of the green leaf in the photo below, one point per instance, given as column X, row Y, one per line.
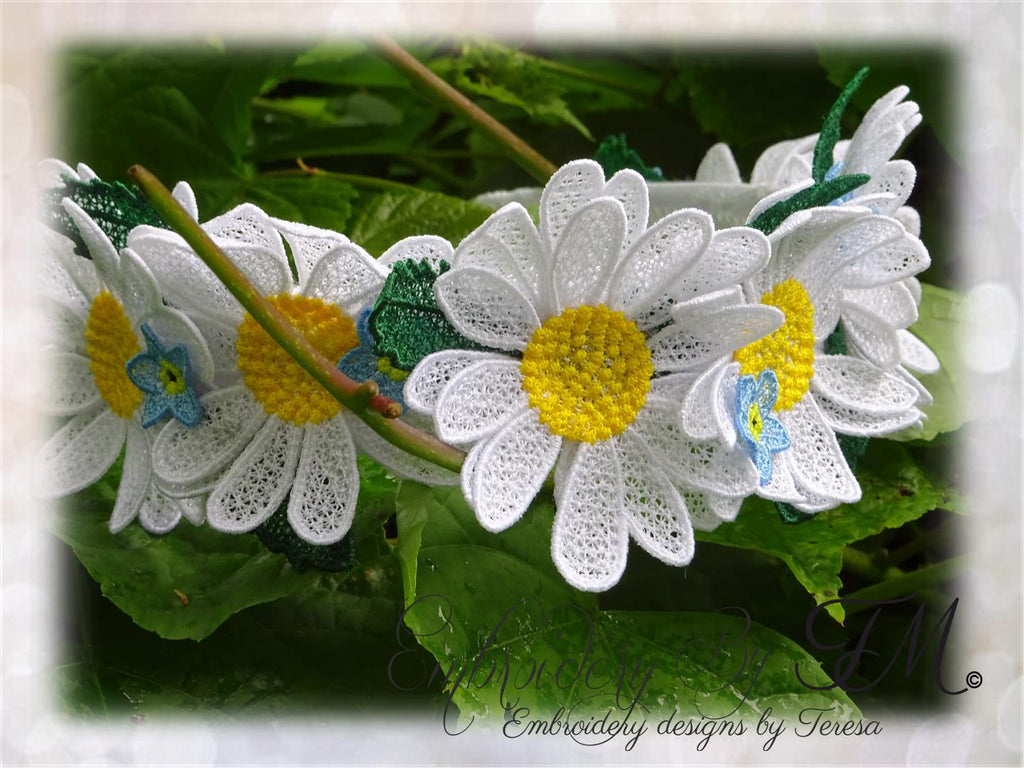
column 483, row 598
column 317, row 200
column 830, row 129
column 406, row 321
column 819, row 194
column 385, row 218
column 938, row 325
column 219, row 574
column 509, row 77
column 614, row 154
column 895, row 490
column 113, row 206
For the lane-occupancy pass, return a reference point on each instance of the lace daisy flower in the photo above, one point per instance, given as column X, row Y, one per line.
column 271, row 432
column 586, row 359
column 123, row 361
column 782, row 399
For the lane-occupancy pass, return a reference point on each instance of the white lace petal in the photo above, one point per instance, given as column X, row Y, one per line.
column 159, row 513
column 629, row 188
column 702, row 464
column 871, row 336
column 395, row 459
column 658, row 258
column 188, row 457
column 718, row 166
column 139, row 293
column 104, row 255
column 346, row 276
column 66, row 276
column 893, row 261
column 486, row 308
column 781, row 486
column 136, row 479
column 510, row 470
column 308, row 244
column 859, row 386
column 707, row 411
column 80, row 452
column 709, row 510
column 817, row 463
column 220, row 341
column 915, row 354
column 590, row 538
column 323, row 496
column 189, row 284
column 72, row 389
column 732, row 256
column 672, row 386
column 654, row 510
column 432, row 374
column 508, row 244
column 186, row 198
column 259, row 480
column 892, row 301
column 784, row 163
column 859, row 242
column 895, row 178
column 686, row 346
column 248, row 224
column 849, row 420
column 588, row 252
column 429, row 248
column 193, row 509
column 479, row 400
column 569, row 188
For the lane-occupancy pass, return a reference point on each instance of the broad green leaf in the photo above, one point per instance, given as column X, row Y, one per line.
column 317, row 200
column 509, row 77
column 219, row 574
column 894, row 489
column 406, row 322
column 488, row 602
column 387, row 217
column 346, row 63
column 358, row 109
column 938, row 325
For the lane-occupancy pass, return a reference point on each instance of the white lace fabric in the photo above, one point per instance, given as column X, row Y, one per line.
column 92, row 437
column 593, row 247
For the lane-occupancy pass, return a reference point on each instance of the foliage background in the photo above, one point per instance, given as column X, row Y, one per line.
column 233, row 121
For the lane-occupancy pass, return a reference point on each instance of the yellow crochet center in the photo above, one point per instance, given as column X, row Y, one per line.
column 754, row 421
column 172, row 378
column 110, row 343
column 280, row 384
column 587, row 371
column 790, row 350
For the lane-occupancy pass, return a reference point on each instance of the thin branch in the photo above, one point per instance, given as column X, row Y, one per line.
column 526, row 156
column 364, row 400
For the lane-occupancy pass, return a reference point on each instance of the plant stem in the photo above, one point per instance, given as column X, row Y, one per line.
column 526, row 156
column 364, row 400
column 904, row 584
column 352, row 178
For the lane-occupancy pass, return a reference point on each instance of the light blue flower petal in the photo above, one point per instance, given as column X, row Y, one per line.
column 774, row 436
column 763, row 462
column 767, row 390
column 144, row 372
column 154, row 409
column 178, row 357
column 186, row 408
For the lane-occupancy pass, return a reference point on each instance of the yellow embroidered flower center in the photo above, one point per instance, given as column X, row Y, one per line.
column 790, row 350
column 280, row 384
column 110, row 343
column 587, row 371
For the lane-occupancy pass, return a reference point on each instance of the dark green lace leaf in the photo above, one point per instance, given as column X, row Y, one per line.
column 820, row 194
column 614, row 154
column 830, row 128
column 113, row 206
column 406, row 323
column 277, row 536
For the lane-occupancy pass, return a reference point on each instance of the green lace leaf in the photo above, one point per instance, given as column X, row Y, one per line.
column 406, row 322
column 614, row 154
column 817, row 195
column 117, row 210
column 830, row 129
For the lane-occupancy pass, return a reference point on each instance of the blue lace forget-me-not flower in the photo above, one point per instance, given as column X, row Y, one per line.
column 763, row 434
column 163, row 376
